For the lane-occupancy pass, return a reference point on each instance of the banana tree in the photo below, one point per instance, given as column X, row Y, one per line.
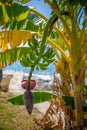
column 72, row 30
column 35, row 55
column 74, row 36
column 17, row 19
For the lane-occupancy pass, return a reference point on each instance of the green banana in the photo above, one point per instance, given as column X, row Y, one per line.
column 28, row 61
column 43, row 66
column 24, row 63
column 33, row 58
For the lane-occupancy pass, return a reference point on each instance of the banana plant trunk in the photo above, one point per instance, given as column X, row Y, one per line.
column 78, row 107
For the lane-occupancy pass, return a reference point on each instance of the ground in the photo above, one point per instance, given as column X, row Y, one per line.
column 15, row 117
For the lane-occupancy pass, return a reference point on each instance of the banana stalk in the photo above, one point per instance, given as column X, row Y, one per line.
column 29, row 77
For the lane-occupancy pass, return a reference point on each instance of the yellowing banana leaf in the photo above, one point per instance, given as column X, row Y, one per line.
column 13, row 38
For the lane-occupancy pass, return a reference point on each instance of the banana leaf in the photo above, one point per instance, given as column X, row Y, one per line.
column 44, row 96
column 38, row 97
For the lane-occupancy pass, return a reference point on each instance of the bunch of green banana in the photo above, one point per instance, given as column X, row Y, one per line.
column 35, row 58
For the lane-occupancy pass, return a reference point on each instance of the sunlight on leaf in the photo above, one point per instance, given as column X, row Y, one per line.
column 13, row 38
column 23, row 16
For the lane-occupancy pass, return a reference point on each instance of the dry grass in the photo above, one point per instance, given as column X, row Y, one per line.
column 15, row 117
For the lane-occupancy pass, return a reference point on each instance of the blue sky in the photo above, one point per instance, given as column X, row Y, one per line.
column 41, row 7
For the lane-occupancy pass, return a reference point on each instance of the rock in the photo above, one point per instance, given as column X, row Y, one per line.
column 5, row 83
column 42, row 107
column 15, row 83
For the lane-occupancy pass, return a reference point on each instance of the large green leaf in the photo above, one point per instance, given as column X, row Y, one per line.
column 38, row 98
column 18, row 9
column 14, row 12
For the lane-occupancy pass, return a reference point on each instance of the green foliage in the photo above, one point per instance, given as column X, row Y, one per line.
column 83, row 2
column 76, row 2
column 13, row 12
column 42, row 97
column 16, row 16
